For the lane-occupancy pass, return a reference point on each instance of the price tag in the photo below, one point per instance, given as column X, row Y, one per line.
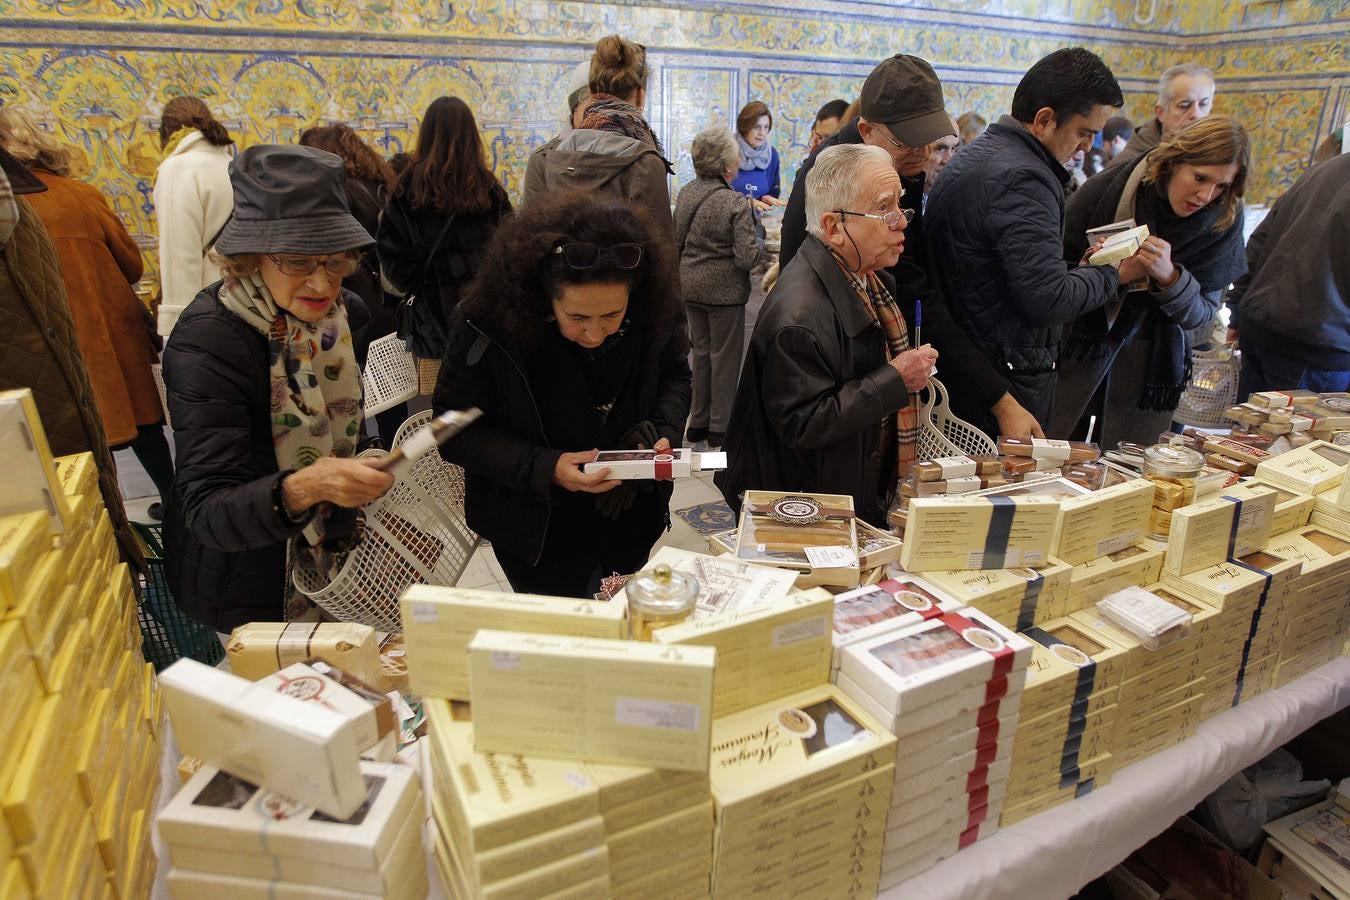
column 830, row 557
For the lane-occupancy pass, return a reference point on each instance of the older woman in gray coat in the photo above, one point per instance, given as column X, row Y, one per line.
column 715, row 236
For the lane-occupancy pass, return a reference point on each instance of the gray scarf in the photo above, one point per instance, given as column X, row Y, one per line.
column 752, row 158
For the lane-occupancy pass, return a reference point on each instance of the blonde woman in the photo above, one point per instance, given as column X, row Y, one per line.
column 1128, row 363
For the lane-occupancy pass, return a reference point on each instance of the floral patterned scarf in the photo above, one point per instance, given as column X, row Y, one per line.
column 315, row 383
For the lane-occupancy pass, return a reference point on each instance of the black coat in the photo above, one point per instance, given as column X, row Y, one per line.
column 965, row 370
column 532, row 414
column 366, row 199
column 224, row 538
column 406, row 239
column 995, row 229
column 813, row 392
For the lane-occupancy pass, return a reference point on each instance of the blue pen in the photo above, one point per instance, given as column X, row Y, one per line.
column 918, row 322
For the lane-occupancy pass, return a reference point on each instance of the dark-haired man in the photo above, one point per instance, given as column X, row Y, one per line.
column 828, row 121
column 996, row 231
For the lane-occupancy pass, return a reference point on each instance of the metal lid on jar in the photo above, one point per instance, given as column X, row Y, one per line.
column 1165, row 459
column 662, row 590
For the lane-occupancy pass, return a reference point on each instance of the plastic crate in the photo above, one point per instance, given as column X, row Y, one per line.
column 167, row 634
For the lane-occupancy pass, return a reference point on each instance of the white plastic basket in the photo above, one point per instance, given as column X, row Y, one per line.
column 941, row 433
column 415, row 534
column 1213, row 388
column 390, row 376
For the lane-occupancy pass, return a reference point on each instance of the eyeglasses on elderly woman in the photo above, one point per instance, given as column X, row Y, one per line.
column 304, row 266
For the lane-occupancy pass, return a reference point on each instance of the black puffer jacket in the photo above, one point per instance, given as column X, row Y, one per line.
column 995, row 229
column 406, row 239
column 225, row 541
column 533, row 412
column 813, row 392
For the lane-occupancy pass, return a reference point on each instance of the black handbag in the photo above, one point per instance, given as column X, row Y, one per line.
column 407, row 328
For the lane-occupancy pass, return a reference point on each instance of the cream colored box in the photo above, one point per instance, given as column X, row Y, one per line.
column 961, row 776
column 187, row 884
column 619, row 787
column 1036, row 595
column 318, row 682
column 226, row 813
column 893, row 603
column 926, row 752
column 587, row 698
column 1211, row 531
column 303, row 750
column 1224, row 586
column 1324, row 555
column 957, row 713
column 34, row 794
column 631, row 815
column 778, row 752
column 1102, row 522
column 30, row 482
column 805, row 868
column 405, row 853
column 1112, row 659
column 1310, row 469
column 780, row 646
column 814, row 535
column 1138, row 564
column 1292, row 509
column 929, row 662
column 635, row 851
column 24, row 538
column 258, row 649
column 724, row 585
column 500, row 799
column 978, row 533
column 78, row 474
column 439, row 623
column 875, row 546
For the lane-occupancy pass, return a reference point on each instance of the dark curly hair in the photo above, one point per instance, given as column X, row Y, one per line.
column 359, row 159
column 519, row 276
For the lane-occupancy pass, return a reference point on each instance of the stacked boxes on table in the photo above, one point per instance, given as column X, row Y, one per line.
column 517, row 826
column 231, row 839
column 1161, row 691
column 949, row 688
column 1137, row 565
column 1015, row 598
column 1317, row 612
column 80, row 716
column 800, row 789
column 1063, row 746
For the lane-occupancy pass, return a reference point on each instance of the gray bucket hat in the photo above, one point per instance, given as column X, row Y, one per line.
column 289, row 199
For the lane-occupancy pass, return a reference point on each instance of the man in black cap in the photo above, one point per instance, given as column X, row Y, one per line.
column 901, row 110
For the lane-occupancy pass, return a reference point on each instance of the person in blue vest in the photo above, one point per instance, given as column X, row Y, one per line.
column 758, row 175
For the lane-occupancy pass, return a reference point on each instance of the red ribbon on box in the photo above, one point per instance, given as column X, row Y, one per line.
column 893, row 587
column 1003, row 657
column 665, row 471
column 978, row 778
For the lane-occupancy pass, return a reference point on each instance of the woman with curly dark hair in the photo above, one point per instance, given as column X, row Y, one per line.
column 571, row 339
column 443, row 210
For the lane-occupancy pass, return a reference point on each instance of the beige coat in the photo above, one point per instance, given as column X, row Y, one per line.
column 193, row 198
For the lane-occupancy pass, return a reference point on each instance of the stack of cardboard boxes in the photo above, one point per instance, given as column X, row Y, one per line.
column 949, row 688
column 81, row 716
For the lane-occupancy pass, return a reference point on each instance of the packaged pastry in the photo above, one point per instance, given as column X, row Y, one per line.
column 1042, row 448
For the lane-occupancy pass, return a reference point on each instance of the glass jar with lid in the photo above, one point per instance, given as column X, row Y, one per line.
column 657, row 598
column 1174, row 471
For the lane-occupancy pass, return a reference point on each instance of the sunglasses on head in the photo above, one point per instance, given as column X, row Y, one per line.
column 587, row 256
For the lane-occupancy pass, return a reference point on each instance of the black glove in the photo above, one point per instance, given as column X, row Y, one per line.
column 612, row 504
column 643, row 434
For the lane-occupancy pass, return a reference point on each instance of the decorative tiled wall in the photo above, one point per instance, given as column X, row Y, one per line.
column 99, row 71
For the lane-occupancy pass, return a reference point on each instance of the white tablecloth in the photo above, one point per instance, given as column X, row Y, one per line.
column 1055, row 853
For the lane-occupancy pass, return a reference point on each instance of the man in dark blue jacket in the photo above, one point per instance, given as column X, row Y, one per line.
column 996, row 229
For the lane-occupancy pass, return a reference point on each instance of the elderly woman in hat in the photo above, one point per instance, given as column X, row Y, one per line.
column 264, row 389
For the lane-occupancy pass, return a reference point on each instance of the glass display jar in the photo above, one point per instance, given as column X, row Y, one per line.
column 657, row 598
column 1174, row 471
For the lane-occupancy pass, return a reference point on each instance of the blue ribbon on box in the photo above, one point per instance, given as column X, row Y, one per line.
column 1256, row 623
column 1000, row 532
column 1082, row 694
column 1026, row 615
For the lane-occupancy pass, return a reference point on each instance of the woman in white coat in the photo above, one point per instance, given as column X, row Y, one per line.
column 193, row 199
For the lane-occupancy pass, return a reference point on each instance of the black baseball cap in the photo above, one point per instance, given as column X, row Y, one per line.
column 904, row 94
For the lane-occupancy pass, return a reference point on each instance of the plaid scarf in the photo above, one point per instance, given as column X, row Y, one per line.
column 884, row 311
column 609, row 113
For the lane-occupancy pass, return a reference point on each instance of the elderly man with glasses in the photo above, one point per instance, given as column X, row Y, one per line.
column 901, row 111
column 826, row 400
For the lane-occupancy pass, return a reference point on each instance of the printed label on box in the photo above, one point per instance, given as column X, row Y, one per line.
column 503, row 660
column 640, row 713
column 796, row 632
column 830, row 557
column 424, row 613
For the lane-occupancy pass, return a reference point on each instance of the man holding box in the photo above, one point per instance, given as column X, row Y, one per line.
column 825, row 400
column 996, row 229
